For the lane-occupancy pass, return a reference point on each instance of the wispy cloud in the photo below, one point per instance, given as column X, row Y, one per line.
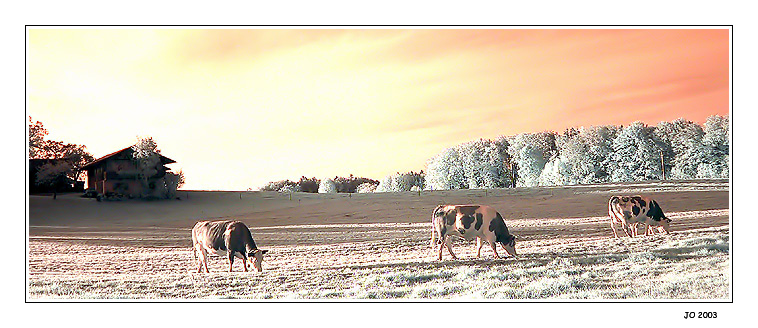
column 367, row 102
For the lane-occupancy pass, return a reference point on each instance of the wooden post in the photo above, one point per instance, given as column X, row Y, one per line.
column 663, row 168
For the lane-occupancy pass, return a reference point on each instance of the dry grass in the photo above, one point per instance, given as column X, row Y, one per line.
column 387, row 257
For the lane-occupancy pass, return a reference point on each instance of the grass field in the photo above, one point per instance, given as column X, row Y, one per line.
column 376, row 246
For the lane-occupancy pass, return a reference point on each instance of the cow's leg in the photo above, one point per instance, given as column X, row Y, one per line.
column 627, row 228
column 244, row 261
column 613, row 227
column 494, row 248
column 449, row 245
column 647, row 229
column 197, row 260
column 479, row 245
column 442, row 244
column 231, row 259
column 204, row 258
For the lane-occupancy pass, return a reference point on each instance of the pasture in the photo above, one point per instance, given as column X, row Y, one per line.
column 376, row 246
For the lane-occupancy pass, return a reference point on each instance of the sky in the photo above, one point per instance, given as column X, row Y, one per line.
column 237, row 108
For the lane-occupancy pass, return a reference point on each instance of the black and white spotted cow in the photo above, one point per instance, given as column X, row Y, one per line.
column 469, row 222
column 225, row 238
column 630, row 211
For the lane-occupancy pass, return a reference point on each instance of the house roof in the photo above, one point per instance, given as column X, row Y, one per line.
column 164, row 160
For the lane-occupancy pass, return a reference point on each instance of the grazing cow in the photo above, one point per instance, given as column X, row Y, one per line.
column 631, row 211
column 469, row 222
column 225, row 238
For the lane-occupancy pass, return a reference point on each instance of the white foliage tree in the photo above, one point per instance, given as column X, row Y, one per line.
column 586, row 155
column 681, row 146
column 715, row 163
column 556, row 172
column 471, row 165
column 581, row 158
column 289, row 188
column 635, row 155
column 401, row 182
column 445, row 171
column 327, row 186
column 531, row 152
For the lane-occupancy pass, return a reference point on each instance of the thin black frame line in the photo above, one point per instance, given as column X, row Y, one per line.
column 141, row 301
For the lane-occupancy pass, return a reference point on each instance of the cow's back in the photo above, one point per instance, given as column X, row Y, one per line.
column 483, row 221
column 211, row 234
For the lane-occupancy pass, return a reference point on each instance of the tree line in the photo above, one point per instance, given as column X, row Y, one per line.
column 351, row 184
column 680, row 149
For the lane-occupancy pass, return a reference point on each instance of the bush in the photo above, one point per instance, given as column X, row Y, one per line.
column 313, row 185
column 366, row 187
column 401, row 182
column 327, row 186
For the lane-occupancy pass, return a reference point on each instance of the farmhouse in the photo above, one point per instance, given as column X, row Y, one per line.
column 117, row 174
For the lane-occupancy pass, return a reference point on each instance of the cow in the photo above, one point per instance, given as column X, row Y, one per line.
column 631, row 211
column 469, row 222
column 225, row 238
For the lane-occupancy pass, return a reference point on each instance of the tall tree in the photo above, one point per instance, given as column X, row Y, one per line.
column 37, row 133
column 147, row 159
column 68, row 158
column 531, row 152
column 681, row 144
column 635, row 154
column 715, row 148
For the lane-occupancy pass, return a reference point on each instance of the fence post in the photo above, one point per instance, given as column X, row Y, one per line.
column 663, row 168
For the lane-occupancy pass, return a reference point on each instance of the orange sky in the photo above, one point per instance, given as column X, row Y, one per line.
column 238, row 108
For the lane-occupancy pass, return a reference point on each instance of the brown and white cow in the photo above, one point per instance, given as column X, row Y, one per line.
column 631, row 211
column 225, row 238
column 469, row 222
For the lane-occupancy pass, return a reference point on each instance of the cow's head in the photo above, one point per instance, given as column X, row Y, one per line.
column 510, row 246
column 257, row 258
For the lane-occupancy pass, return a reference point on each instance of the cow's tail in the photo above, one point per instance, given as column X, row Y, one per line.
column 611, row 212
column 434, row 240
column 194, row 240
